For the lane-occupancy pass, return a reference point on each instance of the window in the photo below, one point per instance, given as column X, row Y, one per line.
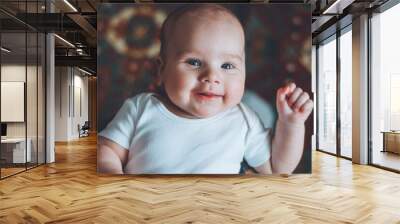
column 385, row 88
column 346, row 92
column 327, row 96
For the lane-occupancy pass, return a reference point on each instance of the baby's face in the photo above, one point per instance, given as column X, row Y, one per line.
column 204, row 70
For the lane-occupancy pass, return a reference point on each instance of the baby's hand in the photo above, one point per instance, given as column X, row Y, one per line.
column 294, row 106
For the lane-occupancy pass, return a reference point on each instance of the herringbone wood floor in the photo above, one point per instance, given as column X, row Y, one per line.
column 70, row 191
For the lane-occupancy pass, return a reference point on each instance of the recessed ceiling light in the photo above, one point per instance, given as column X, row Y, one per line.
column 70, row 5
column 337, row 7
column 64, row 40
column 84, row 71
column 5, row 50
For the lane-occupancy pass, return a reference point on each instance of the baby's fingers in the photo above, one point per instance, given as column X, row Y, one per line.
column 302, row 99
column 307, row 106
column 294, row 96
column 282, row 94
column 291, row 87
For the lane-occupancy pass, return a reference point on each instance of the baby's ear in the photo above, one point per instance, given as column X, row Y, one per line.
column 160, row 64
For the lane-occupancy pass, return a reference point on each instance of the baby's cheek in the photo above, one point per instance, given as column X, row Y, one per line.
column 183, row 87
column 234, row 93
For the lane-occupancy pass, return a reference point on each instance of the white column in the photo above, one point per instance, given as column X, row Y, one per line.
column 360, row 90
column 50, row 93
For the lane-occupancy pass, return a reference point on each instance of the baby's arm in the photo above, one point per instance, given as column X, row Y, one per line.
column 294, row 107
column 264, row 168
column 287, row 147
column 111, row 157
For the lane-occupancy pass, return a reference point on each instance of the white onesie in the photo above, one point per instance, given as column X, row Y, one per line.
column 160, row 142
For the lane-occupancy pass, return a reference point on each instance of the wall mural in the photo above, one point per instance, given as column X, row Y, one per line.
column 277, row 48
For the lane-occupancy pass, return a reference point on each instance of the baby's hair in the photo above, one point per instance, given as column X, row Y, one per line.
column 200, row 11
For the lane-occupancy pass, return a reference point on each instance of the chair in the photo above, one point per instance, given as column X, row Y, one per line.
column 84, row 130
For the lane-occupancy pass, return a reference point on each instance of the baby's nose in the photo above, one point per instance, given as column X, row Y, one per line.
column 211, row 77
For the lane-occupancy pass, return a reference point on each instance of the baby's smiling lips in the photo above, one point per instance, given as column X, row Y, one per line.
column 207, row 95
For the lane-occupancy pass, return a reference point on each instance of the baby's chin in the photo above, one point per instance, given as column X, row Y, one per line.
column 201, row 114
column 207, row 111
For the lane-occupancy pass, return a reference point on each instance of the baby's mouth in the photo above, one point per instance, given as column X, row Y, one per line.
column 208, row 95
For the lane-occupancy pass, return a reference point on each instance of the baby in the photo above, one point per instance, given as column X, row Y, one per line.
column 200, row 126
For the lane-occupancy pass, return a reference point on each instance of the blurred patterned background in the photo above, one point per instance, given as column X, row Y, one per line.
column 278, row 50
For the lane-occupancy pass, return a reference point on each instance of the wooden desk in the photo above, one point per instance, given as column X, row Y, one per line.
column 13, row 150
column 391, row 141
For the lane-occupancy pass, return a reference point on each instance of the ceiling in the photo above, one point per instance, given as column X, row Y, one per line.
column 79, row 27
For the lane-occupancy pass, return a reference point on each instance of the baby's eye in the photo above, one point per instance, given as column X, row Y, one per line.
column 227, row 66
column 194, row 62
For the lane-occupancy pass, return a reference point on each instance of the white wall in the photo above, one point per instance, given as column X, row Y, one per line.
column 79, row 117
column 71, row 93
column 15, row 72
column 33, row 126
column 12, row 101
column 61, row 103
column 12, row 73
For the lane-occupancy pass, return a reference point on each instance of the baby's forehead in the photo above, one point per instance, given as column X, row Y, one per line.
column 188, row 20
column 188, row 25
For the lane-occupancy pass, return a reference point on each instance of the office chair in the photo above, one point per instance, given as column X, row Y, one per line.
column 84, row 130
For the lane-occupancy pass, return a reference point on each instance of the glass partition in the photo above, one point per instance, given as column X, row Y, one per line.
column 22, row 88
column 31, row 99
column 41, row 109
column 32, row 85
column 327, row 96
column 13, row 108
